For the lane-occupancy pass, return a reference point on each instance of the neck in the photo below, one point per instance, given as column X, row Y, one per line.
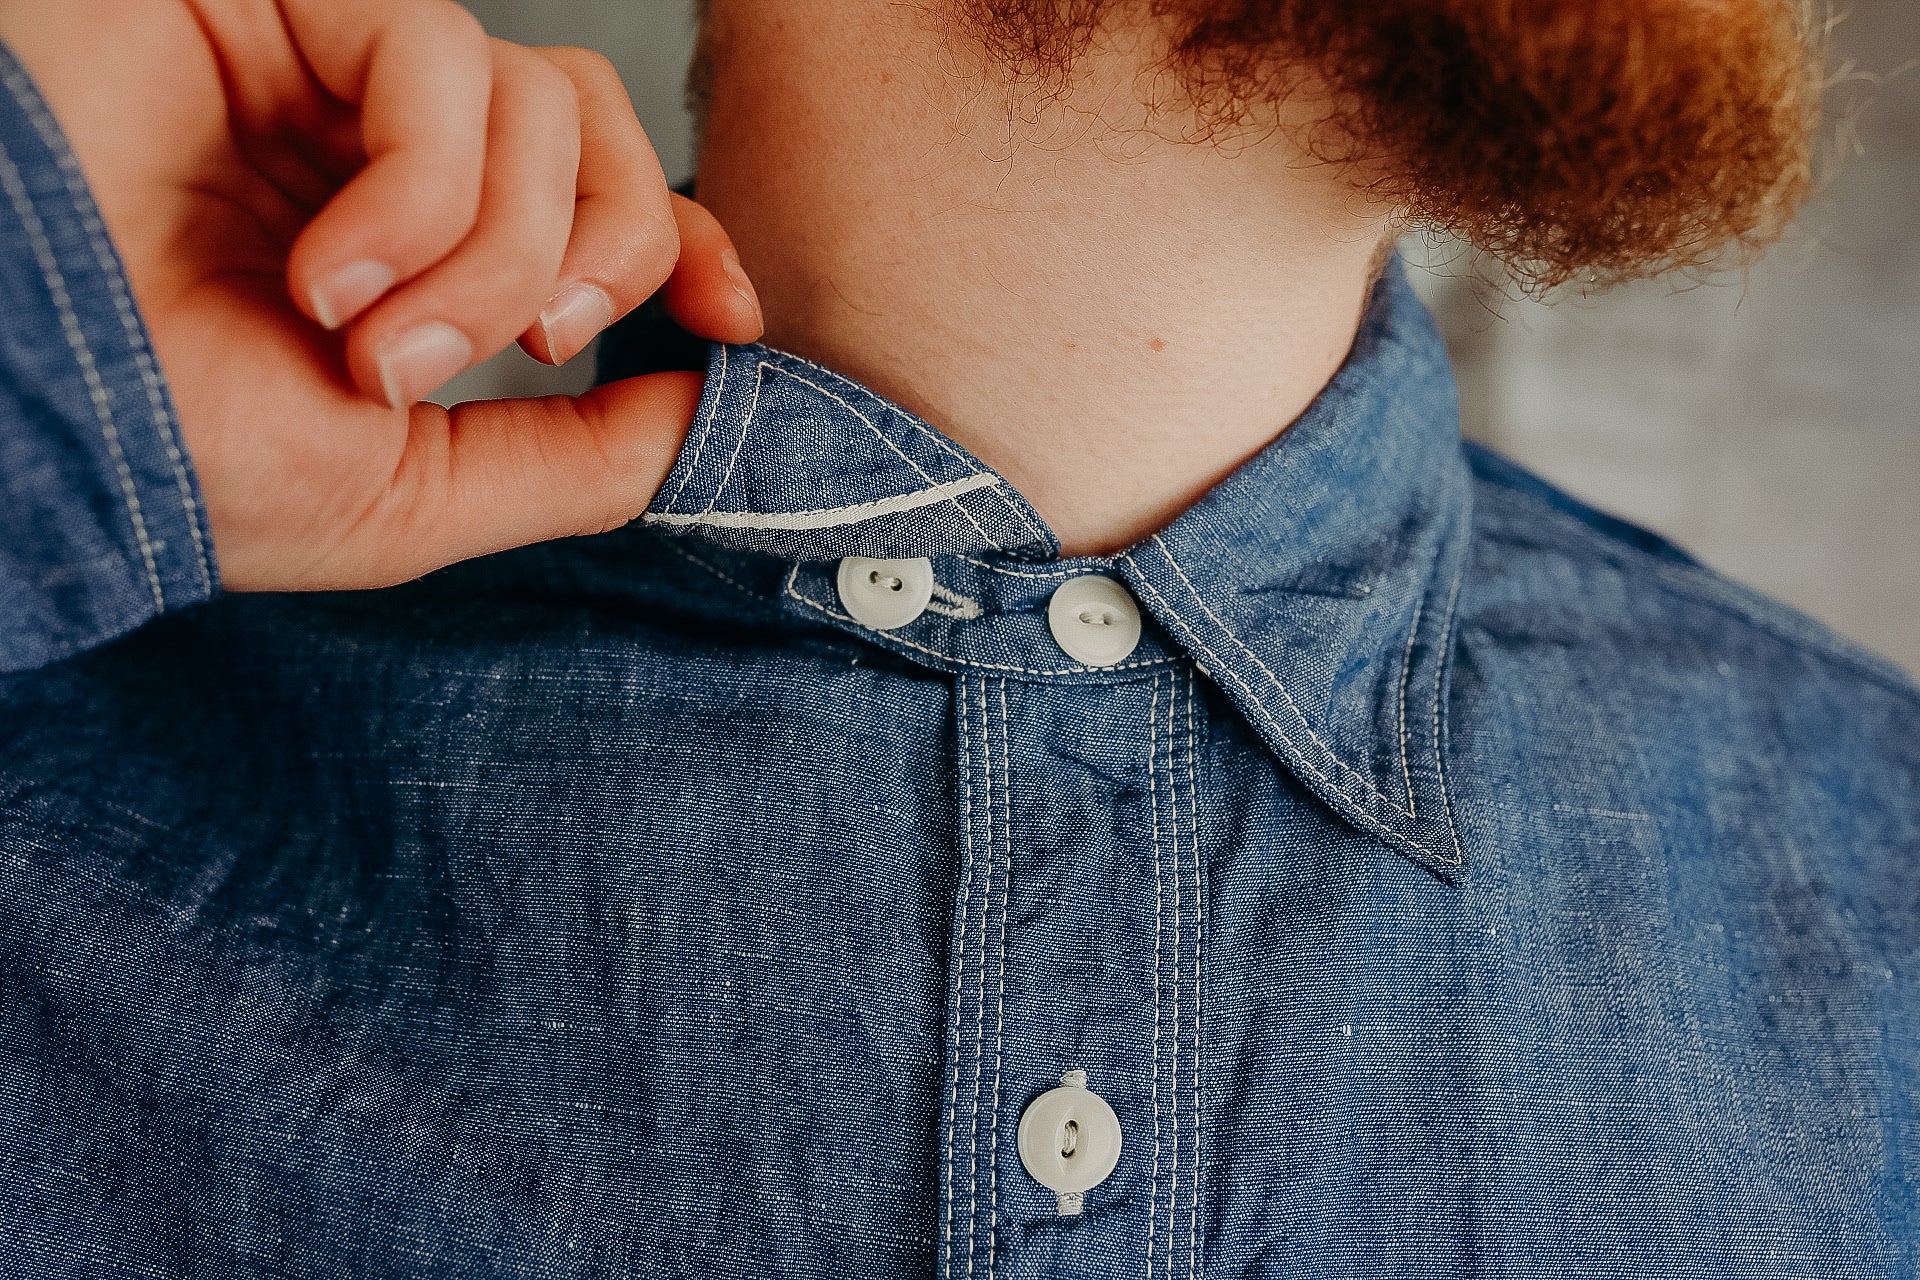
column 1111, row 318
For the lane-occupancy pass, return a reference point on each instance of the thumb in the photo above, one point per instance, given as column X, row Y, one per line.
column 496, row 474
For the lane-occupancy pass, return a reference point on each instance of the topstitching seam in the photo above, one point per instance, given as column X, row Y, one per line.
column 76, row 338
column 1179, row 929
column 1279, row 684
column 1439, row 680
column 888, row 441
column 1406, row 671
column 739, row 446
column 980, row 1008
column 960, row 966
column 1265, row 715
column 122, row 292
column 939, row 441
column 1000, row 999
column 1016, row 573
column 1159, row 915
column 1199, row 926
column 1365, row 819
column 693, row 463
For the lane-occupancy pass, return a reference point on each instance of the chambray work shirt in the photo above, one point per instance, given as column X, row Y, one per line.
column 1453, row 881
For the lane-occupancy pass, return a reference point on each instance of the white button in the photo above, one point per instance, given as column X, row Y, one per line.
column 1095, row 621
column 1070, row 1140
column 885, row 594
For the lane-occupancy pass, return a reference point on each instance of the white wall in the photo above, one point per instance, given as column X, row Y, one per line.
column 1771, row 424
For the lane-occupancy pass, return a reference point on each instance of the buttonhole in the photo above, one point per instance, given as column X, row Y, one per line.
column 891, row 584
column 1098, row 617
column 1069, row 1138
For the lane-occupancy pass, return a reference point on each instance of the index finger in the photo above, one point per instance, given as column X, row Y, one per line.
column 631, row 235
column 421, row 74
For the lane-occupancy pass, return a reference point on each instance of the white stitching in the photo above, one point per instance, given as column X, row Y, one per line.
column 980, row 1008
column 886, row 440
column 1015, row 573
column 1406, row 670
column 103, row 254
column 83, row 354
column 1159, row 914
column 1439, row 674
column 952, row 604
column 1380, row 828
column 960, row 958
column 1199, row 926
column 746, row 429
column 1338, row 763
column 693, row 463
column 1372, row 794
column 735, row 583
column 823, row 517
column 1000, row 999
column 793, row 591
column 1264, row 713
column 939, row 440
column 1365, row 819
column 1179, row 926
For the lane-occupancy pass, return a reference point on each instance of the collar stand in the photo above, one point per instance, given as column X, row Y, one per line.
column 1315, row 586
column 791, row 459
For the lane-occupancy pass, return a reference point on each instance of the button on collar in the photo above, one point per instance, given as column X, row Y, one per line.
column 1070, row 1141
column 885, row 594
column 1095, row 620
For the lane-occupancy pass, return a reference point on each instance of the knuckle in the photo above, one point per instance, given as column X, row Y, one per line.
column 537, row 85
column 620, row 465
column 650, row 247
column 443, row 200
column 635, row 242
column 454, row 24
column 623, row 507
column 515, row 295
column 600, row 67
column 661, row 250
column 554, row 89
column 584, row 64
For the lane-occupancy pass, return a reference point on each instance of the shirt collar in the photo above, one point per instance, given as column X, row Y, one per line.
column 1315, row 586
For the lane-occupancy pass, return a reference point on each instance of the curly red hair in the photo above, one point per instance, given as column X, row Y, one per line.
column 1590, row 140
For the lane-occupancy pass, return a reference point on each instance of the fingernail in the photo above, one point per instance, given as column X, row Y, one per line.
column 421, row 360
column 575, row 317
column 349, row 291
column 730, row 261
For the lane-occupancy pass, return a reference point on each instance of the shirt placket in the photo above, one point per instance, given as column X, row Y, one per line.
column 1077, row 960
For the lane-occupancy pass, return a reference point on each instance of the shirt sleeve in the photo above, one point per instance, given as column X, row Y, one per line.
column 102, row 527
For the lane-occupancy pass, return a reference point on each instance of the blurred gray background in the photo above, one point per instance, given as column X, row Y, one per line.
column 1769, row 423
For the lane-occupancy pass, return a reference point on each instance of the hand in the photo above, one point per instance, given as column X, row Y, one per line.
column 330, row 207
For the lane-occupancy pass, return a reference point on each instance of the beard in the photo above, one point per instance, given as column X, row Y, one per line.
column 1589, row 140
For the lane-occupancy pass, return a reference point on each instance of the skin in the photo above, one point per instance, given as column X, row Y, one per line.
column 1111, row 316
column 1053, row 271
column 326, row 209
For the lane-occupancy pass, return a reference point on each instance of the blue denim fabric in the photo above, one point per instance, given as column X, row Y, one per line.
column 101, row 525
column 1455, row 882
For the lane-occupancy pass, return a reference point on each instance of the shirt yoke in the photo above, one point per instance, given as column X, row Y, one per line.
column 1519, row 512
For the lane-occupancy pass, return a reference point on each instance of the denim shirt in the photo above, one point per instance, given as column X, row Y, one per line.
column 1452, row 881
